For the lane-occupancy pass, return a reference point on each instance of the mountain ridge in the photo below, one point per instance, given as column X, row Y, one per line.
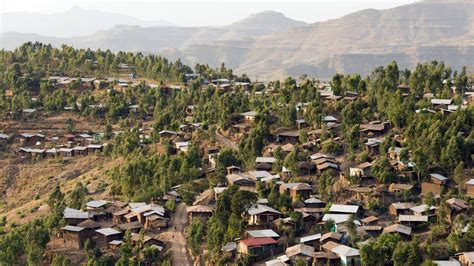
column 270, row 45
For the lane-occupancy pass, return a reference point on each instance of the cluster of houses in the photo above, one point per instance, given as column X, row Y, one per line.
column 106, row 223
column 264, row 241
column 406, row 216
column 33, row 145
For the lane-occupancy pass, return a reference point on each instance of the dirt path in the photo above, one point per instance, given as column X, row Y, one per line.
column 175, row 238
column 225, row 141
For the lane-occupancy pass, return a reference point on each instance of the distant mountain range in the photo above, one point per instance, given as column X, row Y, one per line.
column 73, row 22
column 270, row 45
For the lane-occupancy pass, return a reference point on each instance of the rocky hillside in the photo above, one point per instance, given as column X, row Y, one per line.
column 270, row 45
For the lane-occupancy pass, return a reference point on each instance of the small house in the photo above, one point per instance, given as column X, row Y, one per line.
column 349, row 256
column 301, row 123
column 374, row 129
column 241, row 181
column 233, row 170
column 397, row 208
column 89, row 227
column 300, row 252
column 311, row 240
column 249, row 116
column 106, row 235
column 330, row 237
column 93, row 148
column 74, row 217
column 73, row 236
column 423, row 209
column 288, row 137
column 260, row 247
column 66, row 152
column 296, row 190
column 201, row 212
column 456, row 206
column 361, row 170
column 80, row 151
column 403, row 230
column 133, row 227
column 262, row 214
column 314, row 203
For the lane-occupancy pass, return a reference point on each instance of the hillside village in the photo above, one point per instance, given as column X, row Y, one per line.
column 219, row 169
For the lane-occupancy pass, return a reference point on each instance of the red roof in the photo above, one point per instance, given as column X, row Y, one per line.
column 252, row 242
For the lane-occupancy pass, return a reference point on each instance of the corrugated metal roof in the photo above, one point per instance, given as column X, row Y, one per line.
column 412, row 218
column 73, row 228
column 310, row 238
column 96, row 203
column 262, row 233
column 339, row 208
column 107, row 231
column 258, row 208
column 345, row 251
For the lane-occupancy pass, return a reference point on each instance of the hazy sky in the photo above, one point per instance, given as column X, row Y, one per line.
column 203, row 13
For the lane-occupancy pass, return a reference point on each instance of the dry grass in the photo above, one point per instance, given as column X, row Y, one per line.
column 25, row 186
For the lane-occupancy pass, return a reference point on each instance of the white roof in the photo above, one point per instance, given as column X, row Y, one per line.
column 259, row 174
column 337, row 218
column 441, row 101
column 400, row 228
column 305, row 239
column 76, row 215
column 94, row 146
column 313, row 200
column 422, row 208
column 73, row 228
column 107, row 231
column 96, row 203
column 412, row 218
column 265, row 160
column 447, row 262
column 270, row 178
column 262, row 233
column 258, row 208
column 67, row 209
column 115, row 242
column 329, row 118
column 345, row 251
column 167, row 131
column 218, row 190
column 319, row 155
column 182, row 144
column 470, row 182
column 249, row 113
column 344, row 208
column 439, row 177
column 149, row 209
column 280, row 261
